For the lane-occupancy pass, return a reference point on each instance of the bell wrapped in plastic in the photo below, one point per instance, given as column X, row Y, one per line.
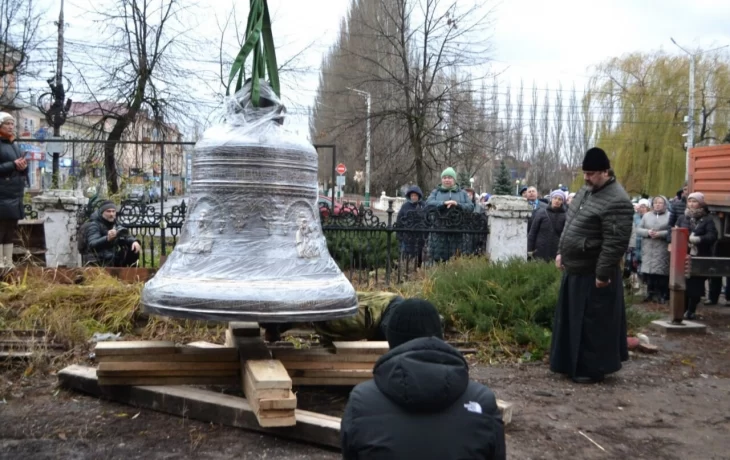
column 252, row 248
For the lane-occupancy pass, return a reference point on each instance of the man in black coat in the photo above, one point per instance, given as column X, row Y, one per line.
column 13, row 177
column 589, row 329
column 107, row 245
column 679, row 204
column 421, row 403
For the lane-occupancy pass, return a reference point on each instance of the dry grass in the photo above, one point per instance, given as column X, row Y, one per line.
column 71, row 313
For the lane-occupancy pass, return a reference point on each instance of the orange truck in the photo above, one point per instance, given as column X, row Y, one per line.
column 709, row 173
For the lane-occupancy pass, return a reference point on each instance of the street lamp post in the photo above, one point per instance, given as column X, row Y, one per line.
column 691, row 115
column 367, row 147
column 517, row 187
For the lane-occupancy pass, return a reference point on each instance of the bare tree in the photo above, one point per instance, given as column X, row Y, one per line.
column 19, row 21
column 136, row 73
column 404, row 53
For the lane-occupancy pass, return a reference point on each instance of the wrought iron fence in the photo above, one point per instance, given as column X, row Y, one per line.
column 368, row 246
column 371, row 250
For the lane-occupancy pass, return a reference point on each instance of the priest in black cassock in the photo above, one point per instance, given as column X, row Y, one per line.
column 589, row 329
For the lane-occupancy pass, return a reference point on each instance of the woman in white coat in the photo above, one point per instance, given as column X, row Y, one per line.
column 653, row 231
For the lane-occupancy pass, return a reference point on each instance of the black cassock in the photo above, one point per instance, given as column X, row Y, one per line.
column 589, row 329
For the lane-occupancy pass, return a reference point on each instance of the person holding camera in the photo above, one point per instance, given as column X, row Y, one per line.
column 106, row 244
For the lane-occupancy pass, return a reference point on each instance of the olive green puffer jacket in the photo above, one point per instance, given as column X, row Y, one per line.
column 597, row 231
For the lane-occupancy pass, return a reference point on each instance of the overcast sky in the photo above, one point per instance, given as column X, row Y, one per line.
column 533, row 40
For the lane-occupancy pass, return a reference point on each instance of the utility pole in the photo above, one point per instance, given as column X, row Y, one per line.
column 367, row 147
column 56, row 115
column 690, row 118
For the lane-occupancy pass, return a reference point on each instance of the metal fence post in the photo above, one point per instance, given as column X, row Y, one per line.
column 388, row 239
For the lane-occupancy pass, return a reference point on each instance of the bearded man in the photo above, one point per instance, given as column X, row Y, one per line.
column 589, row 329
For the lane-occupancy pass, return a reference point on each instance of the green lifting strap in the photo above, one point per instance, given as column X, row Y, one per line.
column 260, row 40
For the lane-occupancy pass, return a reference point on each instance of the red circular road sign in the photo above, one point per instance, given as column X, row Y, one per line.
column 341, row 169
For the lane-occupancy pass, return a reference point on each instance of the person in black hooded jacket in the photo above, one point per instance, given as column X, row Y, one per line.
column 410, row 215
column 421, row 403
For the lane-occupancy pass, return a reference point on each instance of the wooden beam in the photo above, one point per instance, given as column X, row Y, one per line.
column 140, row 347
column 224, row 380
column 327, row 381
column 322, row 356
column 186, row 354
column 126, row 367
column 347, row 373
column 267, row 374
column 361, row 348
column 203, row 405
column 327, row 365
column 244, row 329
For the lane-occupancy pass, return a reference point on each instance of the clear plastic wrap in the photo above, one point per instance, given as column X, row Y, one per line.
column 252, row 248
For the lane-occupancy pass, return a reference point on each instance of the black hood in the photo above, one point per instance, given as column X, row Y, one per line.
column 422, row 375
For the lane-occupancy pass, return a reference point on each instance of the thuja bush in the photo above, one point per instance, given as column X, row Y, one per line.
column 507, row 306
column 510, row 302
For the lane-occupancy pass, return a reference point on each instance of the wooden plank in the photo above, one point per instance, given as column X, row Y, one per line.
column 244, row 329
column 327, row 381
column 202, row 355
column 253, row 397
column 361, row 348
column 229, row 380
column 204, row 344
column 348, row 373
column 167, row 373
column 167, row 366
column 133, row 348
column 206, row 406
column 327, row 365
column 323, row 357
column 290, row 402
column 262, row 394
column 268, row 374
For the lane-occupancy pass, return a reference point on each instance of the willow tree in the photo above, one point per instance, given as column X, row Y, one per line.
column 640, row 101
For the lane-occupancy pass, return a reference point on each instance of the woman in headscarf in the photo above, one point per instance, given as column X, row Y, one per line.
column 547, row 226
column 703, row 235
column 653, row 231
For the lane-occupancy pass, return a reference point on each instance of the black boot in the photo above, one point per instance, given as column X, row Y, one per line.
column 691, row 308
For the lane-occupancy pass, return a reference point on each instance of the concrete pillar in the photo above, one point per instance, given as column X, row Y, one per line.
column 507, row 227
column 59, row 210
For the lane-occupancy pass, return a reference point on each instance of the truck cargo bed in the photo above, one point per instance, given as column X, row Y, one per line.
column 709, row 173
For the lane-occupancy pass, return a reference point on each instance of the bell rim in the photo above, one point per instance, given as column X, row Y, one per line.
column 283, row 316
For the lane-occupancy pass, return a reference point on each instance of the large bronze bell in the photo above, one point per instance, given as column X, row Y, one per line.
column 252, row 247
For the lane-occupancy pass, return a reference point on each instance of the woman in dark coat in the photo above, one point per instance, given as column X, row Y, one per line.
column 13, row 177
column 702, row 237
column 547, row 226
column 411, row 215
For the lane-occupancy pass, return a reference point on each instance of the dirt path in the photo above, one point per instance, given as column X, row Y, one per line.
column 673, row 405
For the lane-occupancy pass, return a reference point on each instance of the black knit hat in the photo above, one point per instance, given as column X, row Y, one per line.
column 596, row 160
column 107, row 205
column 413, row 319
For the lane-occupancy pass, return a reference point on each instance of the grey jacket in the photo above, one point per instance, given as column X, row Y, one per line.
column 654, row 251
column 597, row 231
